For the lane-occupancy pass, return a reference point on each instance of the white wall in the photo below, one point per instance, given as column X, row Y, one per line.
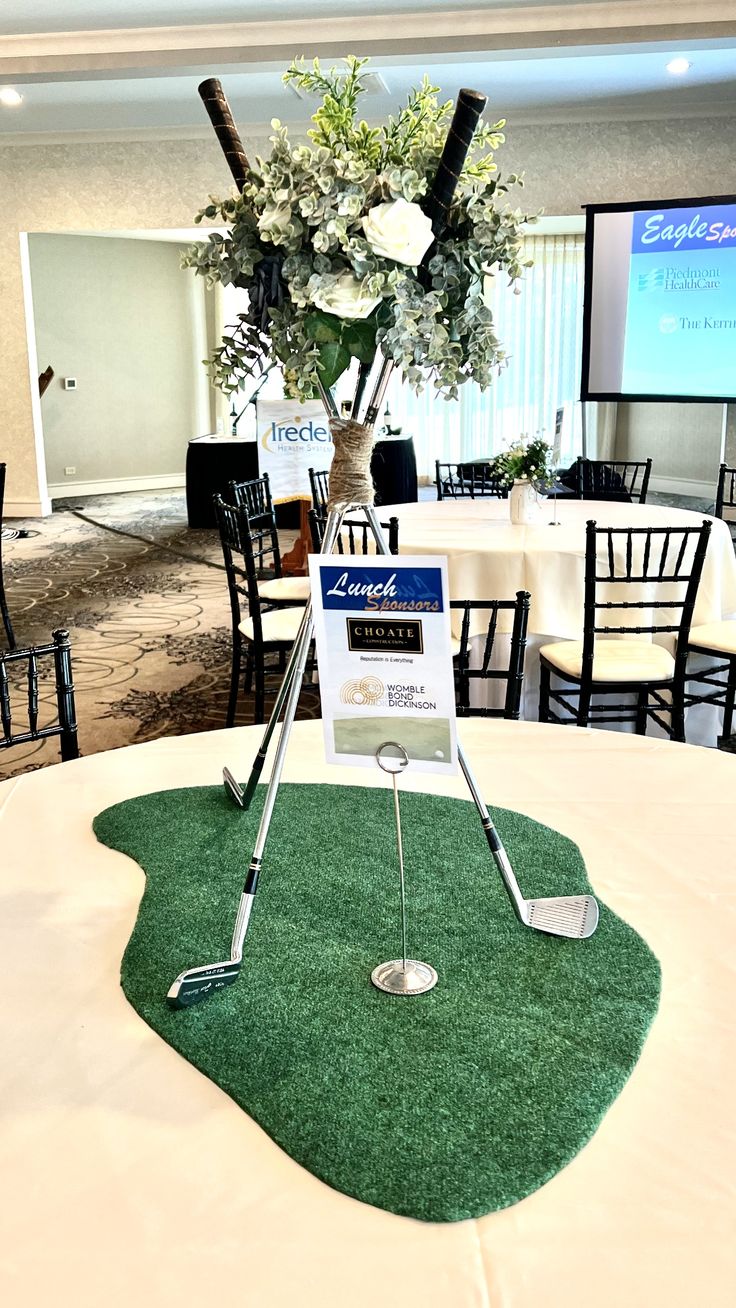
column 98, row 186
column 123, row 319
column 682, row 440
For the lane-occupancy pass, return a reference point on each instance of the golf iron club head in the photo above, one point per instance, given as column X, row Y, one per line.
column 573, row 916
column 199, row 983
column 233, row 790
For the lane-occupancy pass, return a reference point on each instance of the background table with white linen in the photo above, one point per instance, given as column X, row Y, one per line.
column 489, row 557
column 129, row 1178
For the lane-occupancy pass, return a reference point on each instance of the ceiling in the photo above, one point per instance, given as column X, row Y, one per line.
column 96, row 66
column 18, row 16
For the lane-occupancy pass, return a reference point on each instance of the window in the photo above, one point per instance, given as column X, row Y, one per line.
column 541, row 330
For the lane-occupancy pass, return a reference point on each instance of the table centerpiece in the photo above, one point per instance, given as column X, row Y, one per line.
column 369, row 244
column 525, row 468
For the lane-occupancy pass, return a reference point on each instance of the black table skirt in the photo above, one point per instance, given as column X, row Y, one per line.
column 212, row 464
column 394, row 471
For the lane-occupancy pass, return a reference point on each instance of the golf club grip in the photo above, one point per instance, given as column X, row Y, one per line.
column 218, row 110
column 469, row 107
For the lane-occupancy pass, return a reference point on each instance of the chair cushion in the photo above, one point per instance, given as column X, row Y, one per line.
column 279, row 626
column 285, row 590
column 613, row 660
column 720, row 636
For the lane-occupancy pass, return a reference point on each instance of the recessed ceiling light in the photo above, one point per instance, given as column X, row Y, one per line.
column 10, row 97
column 678, row 66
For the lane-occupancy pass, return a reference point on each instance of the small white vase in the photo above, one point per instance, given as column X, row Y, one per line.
column 523, row 502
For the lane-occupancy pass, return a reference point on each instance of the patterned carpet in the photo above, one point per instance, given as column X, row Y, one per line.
column 149, row 620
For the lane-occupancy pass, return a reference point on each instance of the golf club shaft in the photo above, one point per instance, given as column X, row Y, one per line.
column 251, row 880
column 293, row 687
column 500, row 857
column 495, row 844
column 333, row 526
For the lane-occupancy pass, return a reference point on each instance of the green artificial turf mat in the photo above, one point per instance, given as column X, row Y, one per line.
column 442, row 1106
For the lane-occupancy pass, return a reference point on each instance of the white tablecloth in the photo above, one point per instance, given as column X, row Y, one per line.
column 490, row 558
column 129, row 1179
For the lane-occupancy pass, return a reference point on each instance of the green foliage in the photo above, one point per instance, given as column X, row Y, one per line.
column 306, row 204
column 528, row 460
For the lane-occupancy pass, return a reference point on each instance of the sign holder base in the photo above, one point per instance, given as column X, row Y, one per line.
column 404, row 976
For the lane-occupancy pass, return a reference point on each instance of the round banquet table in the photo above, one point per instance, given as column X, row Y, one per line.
column 129, row 1178
column 488, row 557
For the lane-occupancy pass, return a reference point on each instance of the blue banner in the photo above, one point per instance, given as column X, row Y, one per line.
column 379, row 588
column 709, row 227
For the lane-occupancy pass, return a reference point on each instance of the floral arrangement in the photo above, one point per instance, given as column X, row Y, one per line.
column 340, row 261
column 525, row 461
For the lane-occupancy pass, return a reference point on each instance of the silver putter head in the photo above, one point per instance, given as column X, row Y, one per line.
column 200, row 982
column 575, row 916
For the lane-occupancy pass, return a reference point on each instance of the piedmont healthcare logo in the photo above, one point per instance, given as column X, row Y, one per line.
column 678, row 279
column 652, row 280
column 668, row 324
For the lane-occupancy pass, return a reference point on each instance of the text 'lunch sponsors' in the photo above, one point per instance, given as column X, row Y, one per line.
column 415, row 591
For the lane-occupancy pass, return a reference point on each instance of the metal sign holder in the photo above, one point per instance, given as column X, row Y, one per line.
column 400, row 976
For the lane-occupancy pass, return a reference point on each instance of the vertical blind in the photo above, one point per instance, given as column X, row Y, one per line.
column 541, row 330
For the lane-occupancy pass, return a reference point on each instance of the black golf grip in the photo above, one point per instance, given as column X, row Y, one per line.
column 469, row 107
column 218, row 109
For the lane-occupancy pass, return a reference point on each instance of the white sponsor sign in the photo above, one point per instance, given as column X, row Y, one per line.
column 292, row 438
column 382, row 626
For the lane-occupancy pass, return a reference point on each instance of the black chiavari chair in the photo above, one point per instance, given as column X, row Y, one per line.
column 726, row 497
column 473, row 481
column 64, row 726
column 612, row 479
column 610, row 660
column 319, row 480
column 263, row 629
column 255, row 498
column 4, row 613
column 715, row 641
column 354, row 537
column 512, row 673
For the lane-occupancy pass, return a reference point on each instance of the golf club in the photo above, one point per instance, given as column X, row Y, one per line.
column 573, row 916
column 199, row 982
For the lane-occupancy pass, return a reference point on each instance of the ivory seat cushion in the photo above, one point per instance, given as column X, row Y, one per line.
column 279, row 626
column 720, row 636
column 285, row 589
column 613, row 660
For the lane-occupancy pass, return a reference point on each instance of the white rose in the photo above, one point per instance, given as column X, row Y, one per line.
column 274, row 220
column 398, row 230
column 346, row 298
